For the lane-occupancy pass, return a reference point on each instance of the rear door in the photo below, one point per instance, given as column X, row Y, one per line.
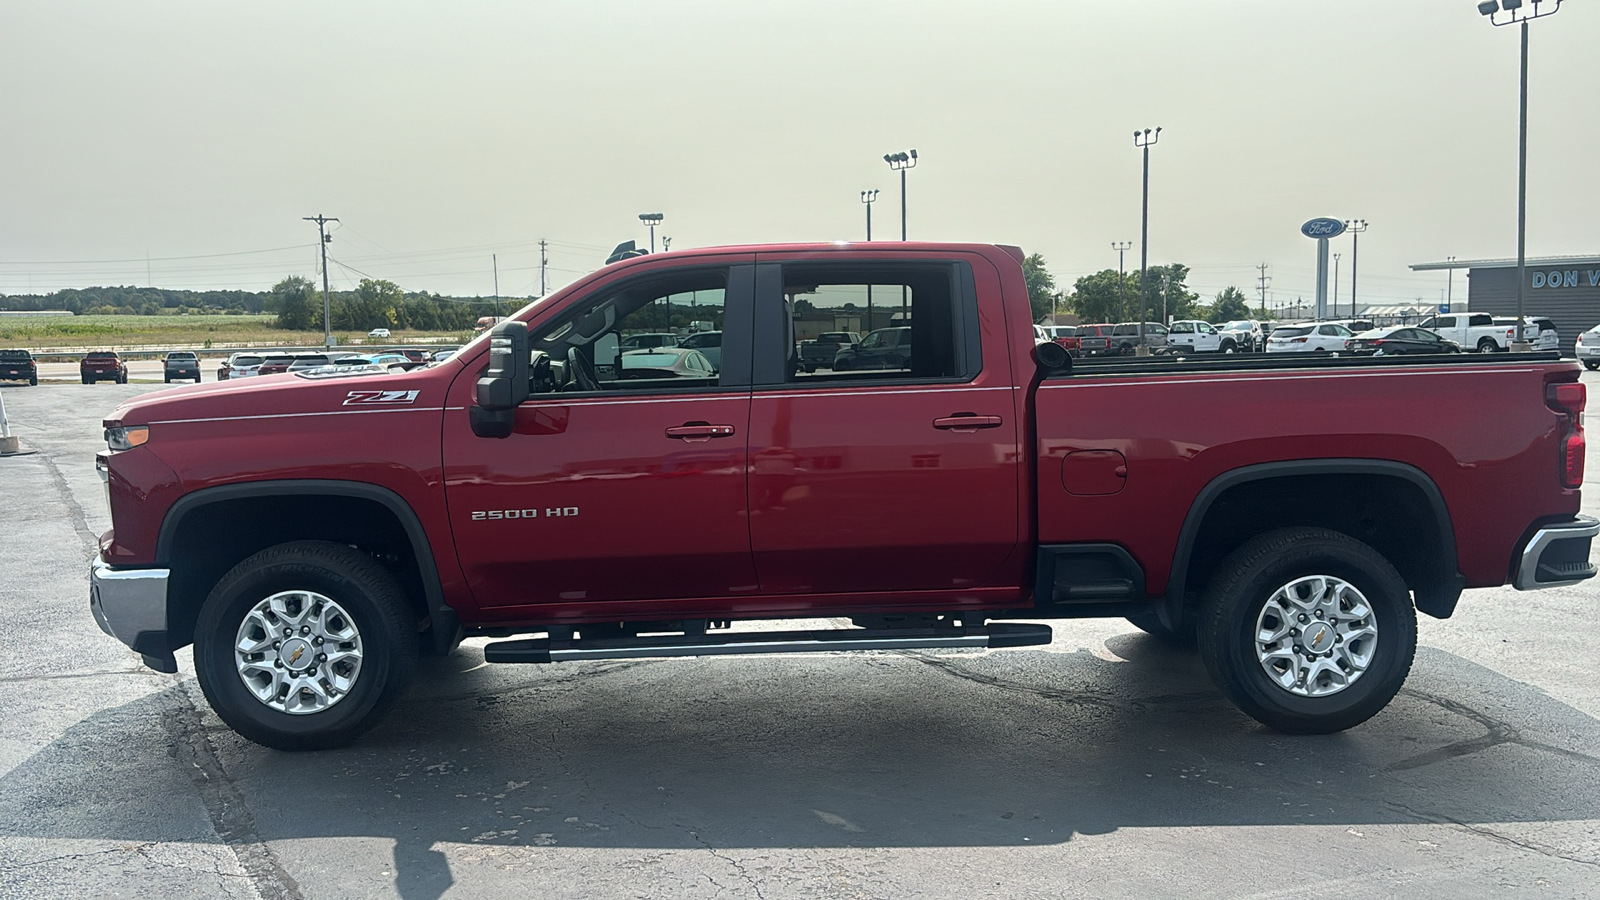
column 899, row 480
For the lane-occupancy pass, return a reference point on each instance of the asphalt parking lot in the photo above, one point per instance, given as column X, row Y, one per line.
column 1103, row 765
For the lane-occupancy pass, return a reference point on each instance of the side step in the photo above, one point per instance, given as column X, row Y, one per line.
column 545, row 650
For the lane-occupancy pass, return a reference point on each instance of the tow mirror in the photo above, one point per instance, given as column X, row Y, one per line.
column 1052, row 358
column 504, row 383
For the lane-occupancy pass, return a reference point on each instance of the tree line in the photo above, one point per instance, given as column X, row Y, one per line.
column 296, row 302
column 1110, row 296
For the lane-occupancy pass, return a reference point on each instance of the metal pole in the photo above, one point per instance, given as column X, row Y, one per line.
column 327, row 305
column 1144, row 244
column 902, row 204
column 1521, row 343
column 868, row 198
column 1336, row 257
column 494, row 259
column 1355, row 259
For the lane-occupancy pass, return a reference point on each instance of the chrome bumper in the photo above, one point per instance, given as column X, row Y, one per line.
column 131, row 606
column 1557, row 555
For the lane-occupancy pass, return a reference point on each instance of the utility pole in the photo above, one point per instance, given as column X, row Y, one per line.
column 1144, row 140
column 327, row 307
column 1355, row 227
column 1122, row 278
column 494, row 259
column 544, row 260
column 1261, row 285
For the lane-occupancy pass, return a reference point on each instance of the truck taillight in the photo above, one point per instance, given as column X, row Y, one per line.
column 1569, row 400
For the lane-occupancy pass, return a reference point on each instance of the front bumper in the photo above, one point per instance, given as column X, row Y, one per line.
column 1557, row 555
column 131, row 606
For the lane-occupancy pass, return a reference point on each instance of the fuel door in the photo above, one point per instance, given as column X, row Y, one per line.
column 1093, row 473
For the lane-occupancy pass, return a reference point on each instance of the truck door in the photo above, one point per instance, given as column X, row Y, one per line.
column 625, row 478
column 897, row 479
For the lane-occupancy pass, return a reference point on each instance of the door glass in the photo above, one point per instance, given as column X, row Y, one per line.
column 625, row 339
column 908, row 312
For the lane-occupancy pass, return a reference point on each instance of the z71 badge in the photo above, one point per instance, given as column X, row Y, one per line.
column 379, row 398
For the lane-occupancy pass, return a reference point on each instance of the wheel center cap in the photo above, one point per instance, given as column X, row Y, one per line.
column 297, row 653
column 1318, row 637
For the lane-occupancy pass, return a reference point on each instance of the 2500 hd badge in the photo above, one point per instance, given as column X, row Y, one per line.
column 495, row 515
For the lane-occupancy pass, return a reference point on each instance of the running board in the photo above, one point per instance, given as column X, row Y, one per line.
column 545, row 650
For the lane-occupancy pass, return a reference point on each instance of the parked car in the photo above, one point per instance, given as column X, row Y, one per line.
column 709, row 343
column 1588, row 348
column 239, row 365
column 1125, row 337
column 1095, row 340
column 275, row 363
column 390, row 359
column 413, row 354
column 103, row 365
column 1398, row 340
column 1209, row 500
column 18, row 365
column 1311, row 337
column 304, row 361
column 886, row 348
column 1541, row 331
column 665, row 362
column 1476, row 331
column 379, row 333
column 1196, row 336
column 180, row 365
column 485, row 323
column 820, row 353
column 1246, row 334
column 646, row 341
column 1066, row 336
column 442, row 355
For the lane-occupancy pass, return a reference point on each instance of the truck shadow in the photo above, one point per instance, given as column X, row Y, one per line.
column 884, row 751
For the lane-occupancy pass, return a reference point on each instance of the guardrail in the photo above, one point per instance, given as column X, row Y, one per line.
column 73, row 355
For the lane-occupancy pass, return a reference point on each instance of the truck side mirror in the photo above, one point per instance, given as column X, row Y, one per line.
column 1052, row 358
column 504, row 383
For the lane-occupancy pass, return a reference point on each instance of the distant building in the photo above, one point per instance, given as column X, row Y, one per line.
column 1565, row 289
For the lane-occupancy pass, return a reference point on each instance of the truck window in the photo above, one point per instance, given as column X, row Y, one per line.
column 623, row 338
column 916, row 320
column 1446, row 322
column 1478, row 319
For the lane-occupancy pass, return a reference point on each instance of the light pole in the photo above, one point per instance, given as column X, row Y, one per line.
column 1336, row 285
column 652, row 220
column 1519, row 13
column 1450, row 283
column 868, row 198
column 1144, row 140
column 1355, row 227
column 1120, row 247
column 900, row 162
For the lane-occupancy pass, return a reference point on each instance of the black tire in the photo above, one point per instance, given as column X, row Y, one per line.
column 1229, row 347
column 33, row 381
column 1246, row 581
column 166, row 379
column 85, row 379
column 1182, row 636
column 1591, row 364
column 1487, row 345
column 378, row 608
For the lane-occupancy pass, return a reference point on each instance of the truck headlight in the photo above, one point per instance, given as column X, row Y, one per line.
column 126, row 437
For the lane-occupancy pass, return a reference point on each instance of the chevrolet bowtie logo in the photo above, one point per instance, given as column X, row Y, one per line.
column 295, row 656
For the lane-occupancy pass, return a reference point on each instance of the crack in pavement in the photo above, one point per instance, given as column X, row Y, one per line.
column 736, row 864
column 1497, row 733
column 1082, row 698
column 1482, row 831
column 114, row 673
column 133, row 848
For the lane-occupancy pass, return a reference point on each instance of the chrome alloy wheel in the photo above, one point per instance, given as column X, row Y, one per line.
column 298, row 652
column 1316, row 636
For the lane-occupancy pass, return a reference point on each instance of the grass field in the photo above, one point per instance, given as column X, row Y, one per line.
column 194, row 331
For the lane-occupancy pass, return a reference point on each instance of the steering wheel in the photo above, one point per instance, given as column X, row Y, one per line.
column 583, row 374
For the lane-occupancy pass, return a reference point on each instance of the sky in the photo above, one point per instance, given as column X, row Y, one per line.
column 181, row 144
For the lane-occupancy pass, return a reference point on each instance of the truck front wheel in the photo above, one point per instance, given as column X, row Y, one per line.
column 1307, row 630
column 304, row 645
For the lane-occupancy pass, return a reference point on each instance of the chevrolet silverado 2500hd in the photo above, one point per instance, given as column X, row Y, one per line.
column 311, row 533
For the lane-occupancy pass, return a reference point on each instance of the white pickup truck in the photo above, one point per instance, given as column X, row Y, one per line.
column 1473, row 331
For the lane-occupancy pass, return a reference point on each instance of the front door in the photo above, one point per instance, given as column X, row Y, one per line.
column 625, row 478
column 898, row 478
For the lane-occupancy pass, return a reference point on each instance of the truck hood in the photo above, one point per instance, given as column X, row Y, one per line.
column 290, row 395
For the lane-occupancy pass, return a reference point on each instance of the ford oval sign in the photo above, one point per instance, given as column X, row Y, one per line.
column 1322, row 228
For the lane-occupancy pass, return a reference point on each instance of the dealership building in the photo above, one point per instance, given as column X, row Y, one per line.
column 1564, row 289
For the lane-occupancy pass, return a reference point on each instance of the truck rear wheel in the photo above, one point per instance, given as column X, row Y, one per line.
column 1307, row 630
column 304, row 645
column 1487, row 345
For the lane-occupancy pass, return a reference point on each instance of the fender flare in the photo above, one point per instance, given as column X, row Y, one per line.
column 1440, row 603
column 446, row 625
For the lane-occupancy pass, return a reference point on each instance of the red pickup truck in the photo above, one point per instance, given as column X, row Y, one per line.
column 549, row 487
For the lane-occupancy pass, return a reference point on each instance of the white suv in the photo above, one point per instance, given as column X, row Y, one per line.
column 1307, row 338
column 1588, row 349
column 378, row 333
